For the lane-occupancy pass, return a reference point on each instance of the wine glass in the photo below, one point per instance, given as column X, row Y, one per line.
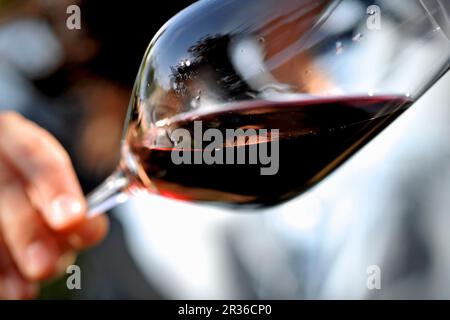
column 250, row 103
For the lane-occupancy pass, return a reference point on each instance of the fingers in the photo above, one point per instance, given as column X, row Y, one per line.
column 12, row 284
column 42, row 209
column 88, row 233
column 46, row 170
column 30, row 242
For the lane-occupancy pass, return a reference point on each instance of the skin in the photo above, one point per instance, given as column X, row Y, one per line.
column 42, row 209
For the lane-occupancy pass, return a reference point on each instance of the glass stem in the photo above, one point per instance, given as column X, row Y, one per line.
column 110, row 193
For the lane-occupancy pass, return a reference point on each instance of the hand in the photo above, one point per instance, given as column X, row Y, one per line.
column 42, row 209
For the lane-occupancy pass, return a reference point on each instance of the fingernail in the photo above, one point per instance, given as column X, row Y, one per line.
column 38, row 260
column 88, row 234
column 66, row 259
column 64, row 211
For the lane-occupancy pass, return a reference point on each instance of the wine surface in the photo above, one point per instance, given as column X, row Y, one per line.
column 314, row 137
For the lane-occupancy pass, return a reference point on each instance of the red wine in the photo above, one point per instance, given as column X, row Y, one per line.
column 314, row 137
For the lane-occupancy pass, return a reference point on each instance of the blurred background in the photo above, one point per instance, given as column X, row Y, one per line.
column 387, row 206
